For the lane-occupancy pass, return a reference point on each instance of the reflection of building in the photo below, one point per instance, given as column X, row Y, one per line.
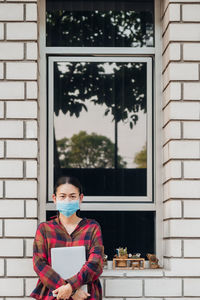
column 23, row 153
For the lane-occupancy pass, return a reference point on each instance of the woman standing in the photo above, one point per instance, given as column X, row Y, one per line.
column 66, row 230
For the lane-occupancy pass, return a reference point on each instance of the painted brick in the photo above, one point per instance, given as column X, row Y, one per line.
column 30, row 285
column 1, row 228
column 1, row 110
column 192, row 169
column 1, row 149
column 31, row 12
column 183, row 267
column 31, row 51
column 172, row 209
column 172, row 131
column 11, row 208
column 11, row 247
column 191, row 287
column 123, row 287
column 1, row 189
column 21, row 31
column 11, row 168
column 2, row 271
column 181, row 149
column 31, row 209
column 31, row 129
column 192, row 248
column 191, row 52
column 191, row 209
column 24, row 149
column 31, row 169
column 173, row 52
column 181, row 189
column 163, row 287
column 182, row 228
column 21, row 70
column 191, row 13
column 20, row 267
column 21, row 109
column 1, row 31
column 191, row 130
column 11, row 90
column 11, row 287
column 7, row 53
column 21, row 189
column 29, row 247
column 11, row 12
column 11, row 129
column 172, row 14
column 172, row 248
column 172, row 170
column 1, row 71
column 172, row 92
column 32, row 90
column 184, row 32
column 181, row 111
column 191, row 91
column 181, row 71
column 20, row 228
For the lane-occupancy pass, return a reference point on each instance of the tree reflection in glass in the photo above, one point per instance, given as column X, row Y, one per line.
column 100, row 23
column 97, row 107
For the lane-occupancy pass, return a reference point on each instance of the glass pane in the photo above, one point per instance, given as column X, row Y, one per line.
column 100, row 23
column 132, row 229
column 100, row 126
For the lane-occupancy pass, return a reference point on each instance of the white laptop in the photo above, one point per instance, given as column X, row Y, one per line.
column 67, row 261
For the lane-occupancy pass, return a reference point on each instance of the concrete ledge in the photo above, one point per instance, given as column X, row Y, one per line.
column 133, row 273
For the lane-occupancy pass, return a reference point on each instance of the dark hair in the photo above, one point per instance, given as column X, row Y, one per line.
column 68, row 179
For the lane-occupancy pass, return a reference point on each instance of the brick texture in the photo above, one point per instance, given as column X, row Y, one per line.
column 18, row 145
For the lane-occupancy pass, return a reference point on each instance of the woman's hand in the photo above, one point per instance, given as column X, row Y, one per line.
column 80, row 295
column 63, row 292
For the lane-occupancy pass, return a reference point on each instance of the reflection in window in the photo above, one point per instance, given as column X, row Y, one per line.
column 100, row 23
column 100, row 126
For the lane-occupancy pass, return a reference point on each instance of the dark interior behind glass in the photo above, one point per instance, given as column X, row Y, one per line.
column 132, row 229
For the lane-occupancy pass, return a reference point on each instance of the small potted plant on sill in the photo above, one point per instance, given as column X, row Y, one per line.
column 122, row 255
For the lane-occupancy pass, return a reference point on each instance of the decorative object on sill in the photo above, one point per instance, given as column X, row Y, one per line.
column 105, row 260
column 135, row 255
column 153, row 261
column 122, row 255
column 128, row 263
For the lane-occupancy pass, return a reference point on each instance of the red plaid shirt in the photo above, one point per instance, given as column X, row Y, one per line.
column 52, row 234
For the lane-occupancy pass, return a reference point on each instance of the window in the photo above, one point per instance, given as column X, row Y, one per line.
column 100, row 60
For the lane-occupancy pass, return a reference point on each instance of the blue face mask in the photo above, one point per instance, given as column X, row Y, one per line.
column 67, row 208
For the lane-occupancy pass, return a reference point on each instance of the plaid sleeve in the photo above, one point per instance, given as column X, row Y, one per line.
column 93, row 267
column 47, row 275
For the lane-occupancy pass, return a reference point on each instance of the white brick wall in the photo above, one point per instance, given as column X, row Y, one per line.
column 181, row 114
column 123, row 287
column 18, row 145
column 163, row 287
column 181, row 140
column 11, row 287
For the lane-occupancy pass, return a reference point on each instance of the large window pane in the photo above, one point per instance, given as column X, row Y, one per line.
column 100, row 126
column 100, row 23
column 132, row 229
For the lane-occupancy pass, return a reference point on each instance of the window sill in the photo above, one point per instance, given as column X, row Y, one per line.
column 132, row 273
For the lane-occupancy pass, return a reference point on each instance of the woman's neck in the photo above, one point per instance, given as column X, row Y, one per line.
column 69, row 220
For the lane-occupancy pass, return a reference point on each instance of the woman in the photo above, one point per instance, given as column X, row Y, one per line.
column 67, row 229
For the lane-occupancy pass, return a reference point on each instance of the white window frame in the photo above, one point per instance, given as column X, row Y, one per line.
column 107, row 201
column 97, row 52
